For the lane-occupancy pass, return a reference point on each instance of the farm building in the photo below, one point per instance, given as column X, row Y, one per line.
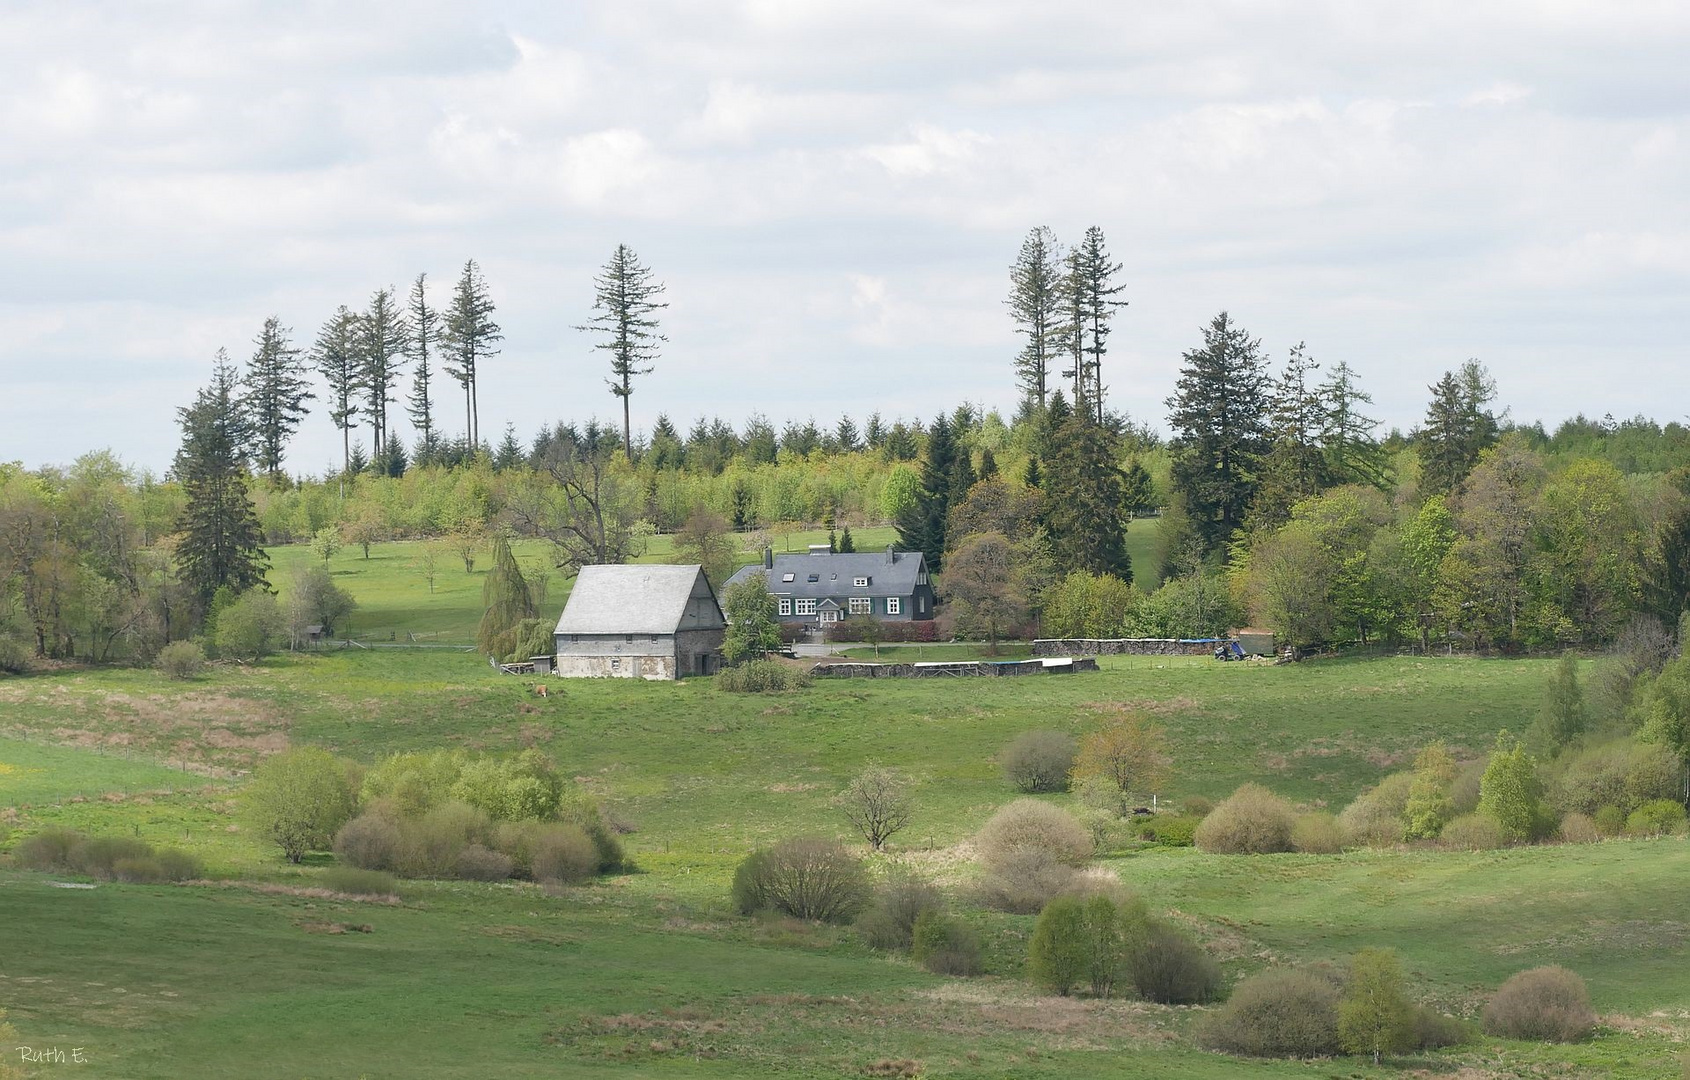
column 826, row 586
column 640, row 622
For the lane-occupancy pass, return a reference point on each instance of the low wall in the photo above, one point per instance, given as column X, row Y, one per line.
column 951, row 670
column 1126, row 646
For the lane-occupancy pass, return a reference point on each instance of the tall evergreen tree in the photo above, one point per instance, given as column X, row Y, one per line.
column 1073, row 339
column 335, row 356
column 220, row 538
column 1094, row 278
column 422, row 342
column 1084, row 499
column 1036, row 286
column 1295, row 468
column 1666, row 569
column 468, row 338
column 381, row 347
column 921, row 527
column 625, row 297
column 276, row 393
column 846, row 432
column 1459, row 426
column 1219, row 414
column 1353, row 453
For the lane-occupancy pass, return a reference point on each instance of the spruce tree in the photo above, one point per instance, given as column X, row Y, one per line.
column 468, row 338
column 1035, row 303
column 1459, row 427
column 1085, row 499
column 381, row 344
column 1095, row 280
column 219, row 546
column 1296, row 466
column 921, row 526
column 1219, row 414
column 1353, row 453
column 422, row 343
column 335, row 356
column 625, row 297
column 276, row 393
column 846, row 432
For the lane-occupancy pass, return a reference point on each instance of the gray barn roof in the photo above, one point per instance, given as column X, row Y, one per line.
column 637, row 598
column 889, row 574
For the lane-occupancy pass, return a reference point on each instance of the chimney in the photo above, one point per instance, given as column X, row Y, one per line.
column 891, row 554
column 768, row 558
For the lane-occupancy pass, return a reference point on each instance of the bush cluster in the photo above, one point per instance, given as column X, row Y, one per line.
column 1030, row 850
column 112, row 858
column 1657, row 817
column 14, row 658
column 350, row 879
column 457, row 840
column 860, row 629
column 805, row 877
column 1252, row 821
column 1169, row 830
column 1295, row 1013
column 1102, row 939
column 944, row 945
column 1548, row 1004
column 1039, row 761
column 1473, row 832
column 1318, row 834
column 899, row 902
column 181, row 660
column 762, row 677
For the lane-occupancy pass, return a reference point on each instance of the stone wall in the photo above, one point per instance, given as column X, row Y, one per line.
column 958, row 669
column 1124, row 647
column 615, row 667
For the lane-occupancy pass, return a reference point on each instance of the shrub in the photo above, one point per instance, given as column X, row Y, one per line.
column 1657, row 817
column 1282, row 1012
column 1375, row 817
column 562, row 854
column 141, row 871
column 1057, row 956
column 355, row 882
column 1547, row 1004
column 589, row 816
column 1317, row 834
column 299, row 799
column 1464, row 794
column 1169, row 830
column 1624, row 773
column 762, row 677
column 48, row 849
column 478, row 863
column 1168, row 967
column 370, row 841
column 1039, row 761
column 1024, row 880
column 179, row 865
column 1610, row 820
column 14, row 658
column 181, row 660
column 1028, row 824
column 430, row 845
column 1375, row 1016
column 1577, row 828
column 1197, row 806
column 1510, row 791
column 250, row 627
column 1473, row 832
column 899, row 902
column 750, row 886
column 1432, row 1030
column 1252, row 821
column 944, row 945
column 98, row 856
column 1086, row 937
column 807, row 878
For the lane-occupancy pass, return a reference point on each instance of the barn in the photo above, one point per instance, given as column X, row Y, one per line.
column 640, row 621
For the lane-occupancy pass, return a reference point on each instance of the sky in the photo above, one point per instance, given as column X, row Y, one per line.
column 832, row 193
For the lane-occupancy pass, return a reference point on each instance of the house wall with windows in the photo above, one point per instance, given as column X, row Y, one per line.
column 823, row 587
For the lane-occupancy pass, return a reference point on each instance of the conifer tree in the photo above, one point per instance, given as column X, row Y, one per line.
column 846, row 432
column 1085, row 498
column 1094, row 279
column 921, row 526
column 276, row 392
column 1295, row 468
column 1036, row 304
column 335, row 356
column 1458, row 427
column 1353, row 454
column 1219, row 417
column 219, row 547
column 625, row 296
column 422, row 343
column 381, row 344
column 468, row 338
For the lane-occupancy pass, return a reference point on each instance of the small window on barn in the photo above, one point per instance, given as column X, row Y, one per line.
column 654, row 637
column 787, row 577
column 630, row 639
column 815, row 577
column 575, row 639
column 861, row 583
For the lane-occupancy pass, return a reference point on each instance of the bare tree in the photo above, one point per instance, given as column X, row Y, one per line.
column 878, row 803
column 579, row 502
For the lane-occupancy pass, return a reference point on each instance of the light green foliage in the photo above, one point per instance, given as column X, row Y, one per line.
column 1658, row 817
column 525, row 785
column 1087, row 605
column 508, row 600
column 752, row 626
column 314, row 599
column 298, row 799
column 1664, row 705
column 250, row 627
column 1058, row 954
column 181, row 660
column 1374, row 1016
column 1429, row 806
column 898, row 494
column 325, row 542
column 1564, row 716
column 1510, row 792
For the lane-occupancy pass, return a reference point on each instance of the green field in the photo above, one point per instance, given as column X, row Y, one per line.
column 649, row 973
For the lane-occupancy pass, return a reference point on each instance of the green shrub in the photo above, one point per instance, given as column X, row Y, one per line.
column 1169, row 830
column 179, row 865
column 479, row 863
column 1196, row 806
column 1432, row 1030
column 181, row 660
column 48, row 849
column 1545, row 1004
column 1057, row 955
column 1023, row 880
column 806, row 877
column 899, row 902
column 1473, row 832
column 562, row 854
column 1252, row 821
column 1610, row 820
column 1168, row 967
column 1375, row 818
column 1577, row 828
column 1039, row 761
column 762, row 677
column 586, row 814
column 138, row 871
column 299, row 799
column 1028, row 824
column 1318, row 834
column 430, row 845
column 370, row 841
column 1281, row 1012
column 1657, row 817
column 14, row 658
column 1511, row 793
column 250, row 627
column 944, row 945
column 356, row 882
column 98, row 856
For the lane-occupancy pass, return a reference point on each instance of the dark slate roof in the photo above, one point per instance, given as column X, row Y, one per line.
column 636, row 598
column 888, row 576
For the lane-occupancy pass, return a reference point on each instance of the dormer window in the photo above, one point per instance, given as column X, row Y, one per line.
column 861, row 583
column 815, row 577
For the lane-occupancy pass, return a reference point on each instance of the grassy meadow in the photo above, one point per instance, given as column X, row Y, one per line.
column 649, row 973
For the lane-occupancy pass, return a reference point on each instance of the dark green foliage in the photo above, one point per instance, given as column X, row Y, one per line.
column 335, row 355
column 219, row 545
column 1281, row 1012
column 625, row 296
column 1092, row 279
column 753, row 627
column 1219, row 416
column 1563, row 717
column 1039, row 761
column 921, row 526
column 1458, row 427
column 806, row 877
column 422, row 342
column 356, row 882
column 1085, row 499
column 381, row 344
column 1547, row 1004
column 1035, row 304
column 1168, row 967
column 467, row 340
column 276, row 392
column 944, row 945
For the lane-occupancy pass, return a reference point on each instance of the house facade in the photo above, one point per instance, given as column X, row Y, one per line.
column 640, row 622
column 823, row 587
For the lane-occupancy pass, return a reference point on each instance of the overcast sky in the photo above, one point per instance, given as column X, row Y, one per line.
column 833, row 193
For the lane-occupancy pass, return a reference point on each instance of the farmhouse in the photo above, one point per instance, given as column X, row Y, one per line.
column 640, row 622
column 826, row 586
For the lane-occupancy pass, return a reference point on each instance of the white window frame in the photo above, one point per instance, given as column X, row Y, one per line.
column 786, row 605
column 921, row 605
column 830, row 615
column 894, row 605
column 862, row 605
column 804, row 607
column 861, row 583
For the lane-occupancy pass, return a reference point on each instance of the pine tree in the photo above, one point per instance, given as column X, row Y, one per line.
column 509, row 453
column 1458, row 426
column 1085, row 498
column 468, row 338
column 381, row 344
column 847, row 544
column 988, row 464
column 846, row 432
column 1035, row 303
column 219, row 547
column 276, row 392
column 1073, row 334
column 625, row 296
column 1296, row 466
column 423, row 341
column 335, row 355
column 1353, row 454
column 1219, row 417
column 1095, row 281
column 921, row 527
